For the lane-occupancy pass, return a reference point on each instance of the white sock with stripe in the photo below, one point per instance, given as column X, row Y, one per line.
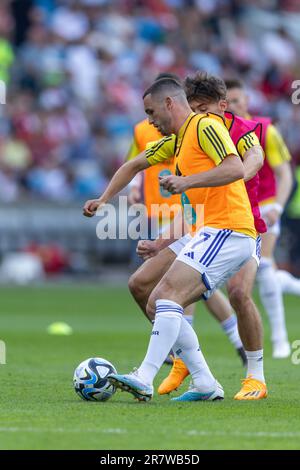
column 256, row 364
column 165, row 331
column 189, row 319
column 271, row 297
column 187, row 348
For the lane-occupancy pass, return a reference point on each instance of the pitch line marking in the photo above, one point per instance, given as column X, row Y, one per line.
column 194, row 432
column 62, row 430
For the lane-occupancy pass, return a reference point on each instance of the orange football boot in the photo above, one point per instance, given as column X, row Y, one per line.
column 252, row 389
column 175, row 378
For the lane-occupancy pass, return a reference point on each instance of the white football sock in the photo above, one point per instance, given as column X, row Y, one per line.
column 164, row 333
column 271, row 297
column 189, row 319
column 230, row 327
column 187, row 348
column 256, row 364
column 288, row 283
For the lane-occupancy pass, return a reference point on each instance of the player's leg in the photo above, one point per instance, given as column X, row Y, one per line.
column 250, row 326
column 143, row 281
column 289, row 284
column 168, row 300
column 221, row 309
column 180, row 287
column 239, row 289
column 189, row 313
column 217, row 266
column 179, row 371
column 219, row 306
column 147, row 276
column 271, row 296
column 168, row 322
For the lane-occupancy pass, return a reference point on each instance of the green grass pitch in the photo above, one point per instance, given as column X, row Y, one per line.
column 40, row 410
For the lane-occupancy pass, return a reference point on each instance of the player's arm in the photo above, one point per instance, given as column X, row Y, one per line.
column 253, row 162
column 149, row 248
column 215, row 141
column 251, row 153
column 118, row 182
column 231, row 169
column 279, row 159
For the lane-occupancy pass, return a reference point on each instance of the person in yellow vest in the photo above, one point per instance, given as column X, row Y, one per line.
column 209, row 177
column 145, row 188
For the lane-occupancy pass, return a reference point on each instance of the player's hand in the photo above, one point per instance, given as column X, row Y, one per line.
column 90, row 207
column 147, row 249
column 272, row 217
column 173, row 184
column 134, row 195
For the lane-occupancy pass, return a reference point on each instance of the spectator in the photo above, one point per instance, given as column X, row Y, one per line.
column 77, row 76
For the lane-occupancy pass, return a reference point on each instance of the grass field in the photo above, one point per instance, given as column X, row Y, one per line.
column 40, row 410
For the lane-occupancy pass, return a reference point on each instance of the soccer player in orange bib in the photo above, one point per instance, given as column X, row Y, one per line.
column 210, row 179
column 207, row 93
column 274, row 190
column 145, row 188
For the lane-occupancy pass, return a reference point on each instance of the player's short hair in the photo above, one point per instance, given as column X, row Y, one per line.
column 234, row 83
column 163, row 86
column 204, row 85
column 174, row 76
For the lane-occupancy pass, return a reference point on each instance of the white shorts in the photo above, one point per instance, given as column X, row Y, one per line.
column 276, row 228
column 177, row 246
column 180, row 243
column 217, row 255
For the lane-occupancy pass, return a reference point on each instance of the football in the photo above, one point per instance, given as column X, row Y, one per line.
column 90, row 379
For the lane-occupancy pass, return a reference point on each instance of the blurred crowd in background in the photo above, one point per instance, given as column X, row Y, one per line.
column 75, row 71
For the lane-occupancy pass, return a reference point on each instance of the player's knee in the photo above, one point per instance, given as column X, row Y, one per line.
column 136, row 286
column 238, row 297
column 164, row 290
column 132, row 283
column 151, row 304
column 150, row 309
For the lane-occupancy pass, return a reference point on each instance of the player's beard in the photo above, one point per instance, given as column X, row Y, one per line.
column 165, row 127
